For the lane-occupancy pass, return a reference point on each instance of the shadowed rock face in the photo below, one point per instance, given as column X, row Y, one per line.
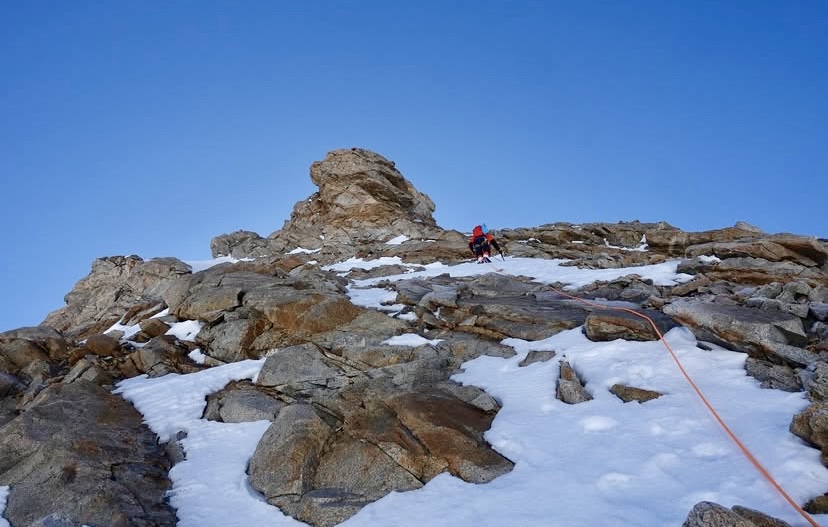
column 80, row 450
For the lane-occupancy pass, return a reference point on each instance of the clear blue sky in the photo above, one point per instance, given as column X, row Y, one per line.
column 148, row 127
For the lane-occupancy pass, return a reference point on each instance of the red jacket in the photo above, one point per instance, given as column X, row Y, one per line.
column 477, row 232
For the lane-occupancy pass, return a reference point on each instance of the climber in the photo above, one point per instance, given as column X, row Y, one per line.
column 480, row 241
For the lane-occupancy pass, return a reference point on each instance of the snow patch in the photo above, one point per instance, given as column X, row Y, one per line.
column 398, row 240
column 301, row 250
column 410, row 339
column 186, row 330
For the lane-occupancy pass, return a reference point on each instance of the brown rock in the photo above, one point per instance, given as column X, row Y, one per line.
column 606, row 325
column 570, row 389
column 818, row 505
column 103, row 346
column 811, row 425
column 630, row 393
column 708, row 514
column 154, row 327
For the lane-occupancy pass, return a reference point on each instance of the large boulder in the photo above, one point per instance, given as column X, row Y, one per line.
column 81, row 452
column 322, row 464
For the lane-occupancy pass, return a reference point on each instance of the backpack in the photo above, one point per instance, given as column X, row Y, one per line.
column 480, row 244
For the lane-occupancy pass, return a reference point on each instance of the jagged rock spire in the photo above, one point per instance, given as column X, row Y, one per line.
column 362, row 200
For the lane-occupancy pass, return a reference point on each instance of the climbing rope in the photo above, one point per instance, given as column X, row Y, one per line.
column 762, row 470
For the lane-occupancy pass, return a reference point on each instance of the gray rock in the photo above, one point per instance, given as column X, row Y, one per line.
column 296, row 365
column 88, row 371
column 353, row 474
column 673, row 241
column 816, row 381
column 776, row 376
column 412, row 291
column 285, row 461
column 753, row 269
column 819, row 310
column 795, row 291
column 10, row 385
column 80, row 452
column 524, row 317
column 631, row 393
column 240, row 403
column 440, row 296
column 769, row 248
column 206, row 302
column 244, row 244
column 160, row 356
column 536, row 356
column 709, row 514
column 367, row 330
column 465, row 346
column 606, row 325
column 762, row 334
column 759, row 519
column 233, row 338
column 820, row 329
column 471, row 395
column 799, row 310
column 570, row 389
column 819, row 294
column 771, row 290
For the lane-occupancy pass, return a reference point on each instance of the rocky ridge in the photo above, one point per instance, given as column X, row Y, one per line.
column 343, row 400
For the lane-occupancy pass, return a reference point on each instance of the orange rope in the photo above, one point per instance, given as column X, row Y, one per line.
column 762, row 470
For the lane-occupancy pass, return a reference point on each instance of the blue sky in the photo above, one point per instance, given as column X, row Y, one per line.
column 149, row 127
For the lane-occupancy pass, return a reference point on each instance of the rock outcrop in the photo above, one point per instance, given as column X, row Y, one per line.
column 321, row 463
column 116, row 285
column 363, row 201
column 354, row 415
